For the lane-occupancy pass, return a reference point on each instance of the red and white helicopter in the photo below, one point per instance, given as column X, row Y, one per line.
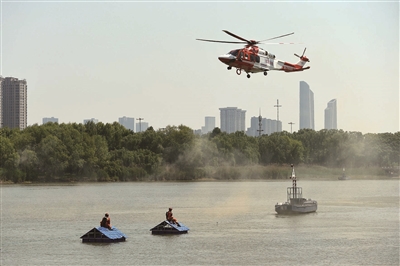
column 253, row 59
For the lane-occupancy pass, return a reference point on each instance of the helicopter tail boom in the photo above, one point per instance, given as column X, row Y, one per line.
column 297, row 70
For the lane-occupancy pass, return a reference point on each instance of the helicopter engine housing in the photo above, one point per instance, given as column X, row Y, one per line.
column 262, row 52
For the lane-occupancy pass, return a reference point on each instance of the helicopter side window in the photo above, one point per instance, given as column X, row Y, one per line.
column 246, row 56
column 257, row 59
column 252, row 58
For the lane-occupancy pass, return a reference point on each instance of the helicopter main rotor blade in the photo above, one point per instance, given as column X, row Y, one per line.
column 277, row 37
column 204, row 40
column 280, row 43
column 245, row 41
column 237, row 37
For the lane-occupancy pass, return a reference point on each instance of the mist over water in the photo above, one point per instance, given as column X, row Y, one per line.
column 231, row 223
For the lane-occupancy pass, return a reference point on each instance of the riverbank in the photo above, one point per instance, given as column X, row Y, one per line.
column 241, row 173
column 270, row 172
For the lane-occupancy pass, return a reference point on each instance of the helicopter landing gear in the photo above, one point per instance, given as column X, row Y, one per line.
column 248, row 76
column 238, row 71
column 265, row 73
column 229, row 67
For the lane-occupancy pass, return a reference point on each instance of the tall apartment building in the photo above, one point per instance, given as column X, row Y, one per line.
column 253, row 130
column 271, row 126
column 1, row 102
column 232, row 119
column 127, row 122
column 49, row 119
column 306, row 106
column 209, row 125
column 14, row 103
column 331, row 115
column 268, row 126
column 142, row 126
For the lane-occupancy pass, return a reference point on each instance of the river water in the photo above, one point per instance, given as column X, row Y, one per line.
column 231, row 223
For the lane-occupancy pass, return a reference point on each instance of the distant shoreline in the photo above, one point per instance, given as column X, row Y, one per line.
column 251, row 173
column 307, row 178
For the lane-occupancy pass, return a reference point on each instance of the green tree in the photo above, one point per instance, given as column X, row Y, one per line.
column 224, row 144
column 113, row 133
column 132, row 141
column 176, row 140
column 75, row 147
column 53, row 156
column 312, row 141
column 245, row 148
column 203, row 153
column 151, row 140
column 29, row 164
column 8, row 158
column 280, row 149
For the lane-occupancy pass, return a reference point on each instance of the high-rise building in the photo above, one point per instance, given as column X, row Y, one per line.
column 49, row 119
column 14, row 103
column 306, row 106
column 127, row 122
column 331, row 115
column 1, row 102
column 268, row 126
column 94, row 120
column 209, row 125
column 232, row 119
column 253, row 130
column 141, row 126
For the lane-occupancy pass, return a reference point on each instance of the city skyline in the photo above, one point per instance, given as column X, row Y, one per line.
column 306, row 96
column 268, row 124
column 232, row 119
column 94, row 59
column 330, row 110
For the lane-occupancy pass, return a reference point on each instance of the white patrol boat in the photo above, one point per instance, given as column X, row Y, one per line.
column 295, row 203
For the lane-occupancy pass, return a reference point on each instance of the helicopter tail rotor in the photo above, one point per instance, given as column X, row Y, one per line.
column 302, row 57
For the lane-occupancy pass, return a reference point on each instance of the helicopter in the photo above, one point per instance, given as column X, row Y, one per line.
column 253, row 59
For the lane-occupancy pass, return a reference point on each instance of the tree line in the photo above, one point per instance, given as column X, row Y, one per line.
column 110, row 152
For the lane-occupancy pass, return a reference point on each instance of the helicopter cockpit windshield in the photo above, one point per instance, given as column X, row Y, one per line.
column 234, row 52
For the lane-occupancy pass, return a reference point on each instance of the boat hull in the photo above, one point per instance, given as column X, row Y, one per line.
column 287, row 208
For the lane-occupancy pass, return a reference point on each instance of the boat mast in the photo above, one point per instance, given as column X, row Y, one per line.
column 294, row 185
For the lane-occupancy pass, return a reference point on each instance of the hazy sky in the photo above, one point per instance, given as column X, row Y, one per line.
column 105, row 60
